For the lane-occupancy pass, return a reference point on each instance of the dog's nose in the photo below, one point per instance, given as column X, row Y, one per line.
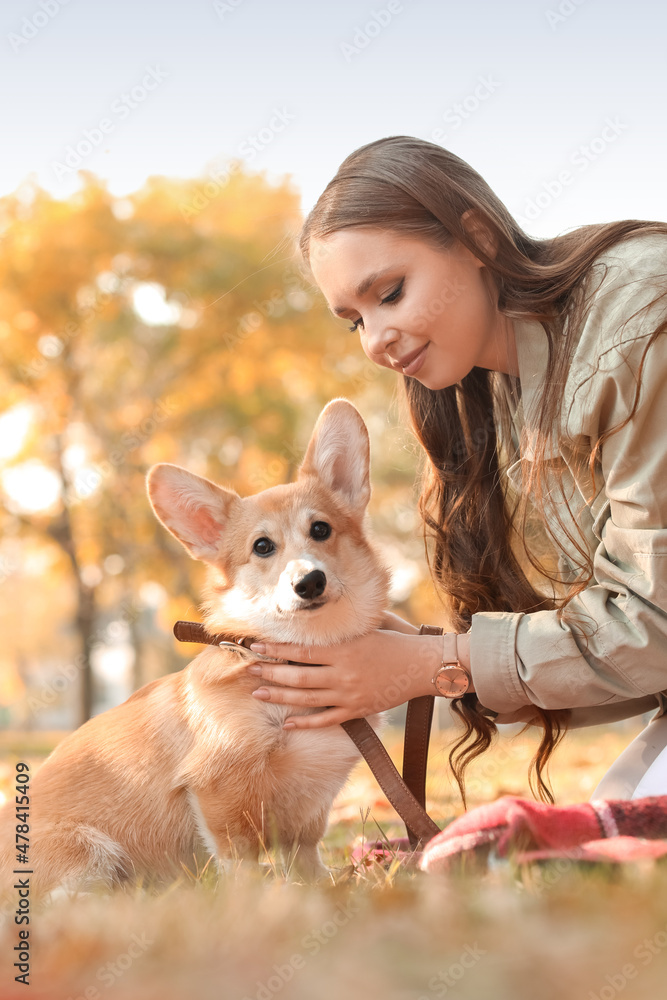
column 311, row 585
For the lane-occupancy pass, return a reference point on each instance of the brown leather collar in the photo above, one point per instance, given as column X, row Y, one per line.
column 195, row 632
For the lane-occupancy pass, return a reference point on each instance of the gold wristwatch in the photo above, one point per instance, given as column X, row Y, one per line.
column 451, row 679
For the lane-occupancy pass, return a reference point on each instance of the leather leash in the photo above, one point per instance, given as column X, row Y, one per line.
column 407, row 794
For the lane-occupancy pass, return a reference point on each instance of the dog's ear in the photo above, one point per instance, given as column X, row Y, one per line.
column 339, row 453
column 193, row 509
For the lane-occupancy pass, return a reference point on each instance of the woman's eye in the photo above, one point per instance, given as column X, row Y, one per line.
column 396, row 292
column 320, row 530
column 392, row 297
column 263, row 547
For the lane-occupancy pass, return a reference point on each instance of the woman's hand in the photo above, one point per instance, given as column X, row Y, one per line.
column 377, row 671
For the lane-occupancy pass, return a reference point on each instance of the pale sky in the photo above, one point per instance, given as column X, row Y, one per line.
column 575, row 88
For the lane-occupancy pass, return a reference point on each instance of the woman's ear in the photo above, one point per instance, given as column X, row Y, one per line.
column 480, row 232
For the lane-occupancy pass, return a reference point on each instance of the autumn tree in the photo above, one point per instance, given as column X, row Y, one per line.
column 171, row 325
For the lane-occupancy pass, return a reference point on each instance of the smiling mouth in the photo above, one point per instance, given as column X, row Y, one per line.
column 411, row 362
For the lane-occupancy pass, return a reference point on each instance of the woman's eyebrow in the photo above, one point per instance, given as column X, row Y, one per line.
column 363, row 287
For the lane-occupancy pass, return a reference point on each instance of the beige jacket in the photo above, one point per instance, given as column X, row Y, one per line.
column 519, row 660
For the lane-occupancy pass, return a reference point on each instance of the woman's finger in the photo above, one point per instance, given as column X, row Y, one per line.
column 292, row 676
column 288, row 651
column 318, row 720
column 308, row 698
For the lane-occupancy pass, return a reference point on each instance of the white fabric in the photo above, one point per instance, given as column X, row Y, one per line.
column 641, row 769
column 654, row 781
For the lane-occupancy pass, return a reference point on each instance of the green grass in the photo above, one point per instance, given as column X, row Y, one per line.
column 552, row 932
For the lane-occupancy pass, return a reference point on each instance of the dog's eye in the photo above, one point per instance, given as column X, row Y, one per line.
column 320, row 530
column 263, row 547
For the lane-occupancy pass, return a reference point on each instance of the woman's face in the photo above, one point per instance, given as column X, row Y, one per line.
column 428, row 313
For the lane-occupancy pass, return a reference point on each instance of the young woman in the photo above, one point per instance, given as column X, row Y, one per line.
column 536, row 379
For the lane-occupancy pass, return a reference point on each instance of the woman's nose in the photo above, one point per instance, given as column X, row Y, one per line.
column 379, row 337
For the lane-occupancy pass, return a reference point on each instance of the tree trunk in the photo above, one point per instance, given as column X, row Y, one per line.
column 85, row 621
column 62, row 532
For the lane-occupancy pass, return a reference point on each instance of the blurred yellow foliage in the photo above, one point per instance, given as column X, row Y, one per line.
column 176, row 324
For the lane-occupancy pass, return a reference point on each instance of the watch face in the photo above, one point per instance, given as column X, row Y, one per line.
column 451, row 682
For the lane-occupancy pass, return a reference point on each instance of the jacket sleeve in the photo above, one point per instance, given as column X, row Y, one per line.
column 520, row 659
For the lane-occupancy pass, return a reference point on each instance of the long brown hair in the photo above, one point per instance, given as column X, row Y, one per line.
column 488, row 546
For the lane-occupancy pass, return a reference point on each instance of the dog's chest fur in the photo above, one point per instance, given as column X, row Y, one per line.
column 250, row 758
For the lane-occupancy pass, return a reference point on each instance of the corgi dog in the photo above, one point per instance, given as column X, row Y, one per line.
column 191, row 760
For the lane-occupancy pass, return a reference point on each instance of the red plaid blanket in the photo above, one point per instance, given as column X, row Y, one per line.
column 611, row 831
column 621, row 830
